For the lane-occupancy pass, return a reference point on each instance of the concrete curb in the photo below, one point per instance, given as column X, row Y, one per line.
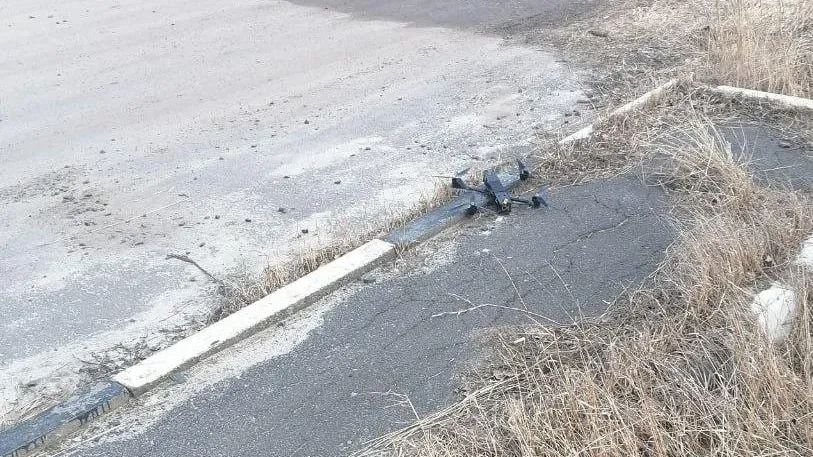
column 644, row 100
column 64, row 419
column 278, row 305
column 785, row 101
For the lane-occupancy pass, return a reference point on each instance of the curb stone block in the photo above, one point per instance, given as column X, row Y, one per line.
column 60, row 421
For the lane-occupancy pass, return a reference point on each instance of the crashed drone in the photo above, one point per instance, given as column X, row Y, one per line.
column 496, row 191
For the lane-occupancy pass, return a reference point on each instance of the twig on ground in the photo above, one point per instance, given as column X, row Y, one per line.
column 513, row 284
column 184, row 258
column 531, row 315
column 404, row 400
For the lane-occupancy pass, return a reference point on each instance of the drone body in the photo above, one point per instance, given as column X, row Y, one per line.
column 498, row 195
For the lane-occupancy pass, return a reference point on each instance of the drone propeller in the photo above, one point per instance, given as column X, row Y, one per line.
column 537, row 200
column 524, row 173
column 541, row 197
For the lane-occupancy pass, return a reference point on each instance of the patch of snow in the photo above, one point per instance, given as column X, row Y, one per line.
column 806, row 255
column 775, row 309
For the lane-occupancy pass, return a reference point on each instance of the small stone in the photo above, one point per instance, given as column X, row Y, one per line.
column 253, row 145
column 248, row 220
column 200, row 245
column 307, row 122
column 286, row 177
column 338, row 181
column 304, row 231
column 102, row 151
column 367, row 148
column 217, row 216
column 282, row 210
column 784, row 144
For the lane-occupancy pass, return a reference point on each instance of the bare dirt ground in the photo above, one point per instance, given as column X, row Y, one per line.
column 224, row 131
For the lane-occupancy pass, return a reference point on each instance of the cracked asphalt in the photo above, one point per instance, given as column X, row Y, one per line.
column 348, row 380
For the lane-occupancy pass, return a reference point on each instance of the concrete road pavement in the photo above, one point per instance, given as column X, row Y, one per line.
column 220, row 129
column 341, row 373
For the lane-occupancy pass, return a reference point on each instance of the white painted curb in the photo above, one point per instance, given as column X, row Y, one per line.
column 649, row 97
column 256, row 316
column 786, row 101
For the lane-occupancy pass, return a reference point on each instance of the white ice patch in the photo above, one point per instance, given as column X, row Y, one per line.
column 775, row 309
column 806, row 256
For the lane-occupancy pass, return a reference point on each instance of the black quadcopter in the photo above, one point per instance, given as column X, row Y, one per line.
column 497, row 194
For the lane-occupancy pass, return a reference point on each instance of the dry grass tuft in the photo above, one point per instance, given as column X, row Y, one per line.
column 764, row 45
column 681, row 368
column 756, row 44
column 676, row 388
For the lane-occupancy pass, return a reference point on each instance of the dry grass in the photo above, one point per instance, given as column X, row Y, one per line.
column 757, row 44
column 680, row 368
column 243, row 289
column 764, row 45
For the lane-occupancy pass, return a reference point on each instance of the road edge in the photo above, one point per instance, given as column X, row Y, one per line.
column 61, row 420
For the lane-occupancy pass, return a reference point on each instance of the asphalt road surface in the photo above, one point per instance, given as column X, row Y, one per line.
column 341, row 373
column 134, row 129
